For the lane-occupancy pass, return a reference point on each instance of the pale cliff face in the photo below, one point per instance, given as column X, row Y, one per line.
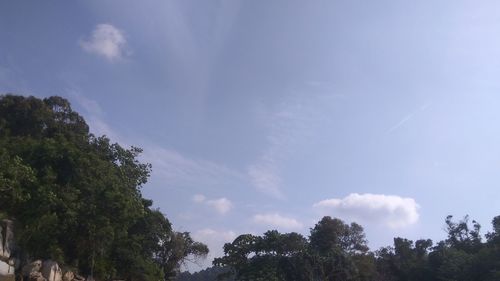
column 7, row 264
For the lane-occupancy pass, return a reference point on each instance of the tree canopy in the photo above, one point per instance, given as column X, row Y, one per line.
column 76, row 197
column 336, row 250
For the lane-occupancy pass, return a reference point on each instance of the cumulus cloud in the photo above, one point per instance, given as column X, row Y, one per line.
column 277, row 220
column 392, row 210
column 107, row 41
column 220, row 205
column 198, row 198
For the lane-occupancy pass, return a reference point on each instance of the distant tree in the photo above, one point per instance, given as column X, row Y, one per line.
column 273, row 256
column 338, row 249
column 209, row 274
column 334, row 251
column 463, row 236
column 175, row 250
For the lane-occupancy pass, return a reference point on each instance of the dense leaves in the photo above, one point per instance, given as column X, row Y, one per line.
column 209, row 274
column 334, row 251
column 76, row 197
column 338, row 251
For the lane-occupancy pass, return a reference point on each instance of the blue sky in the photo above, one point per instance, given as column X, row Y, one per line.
column 264, row 115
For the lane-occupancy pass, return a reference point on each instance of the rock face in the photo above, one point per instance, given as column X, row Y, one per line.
column 34, row 266
column 36, row 276
column 7, row 239
column 51, row 271
column 1, row 240
column 6, row 268
column 6, row 248
column 37, row 270
column 68, row 275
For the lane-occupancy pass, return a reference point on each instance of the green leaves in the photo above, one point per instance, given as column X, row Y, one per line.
column 334, row 251
column 76, row 197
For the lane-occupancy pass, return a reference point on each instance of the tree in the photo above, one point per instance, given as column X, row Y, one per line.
column 273, row 256
column 76, row 198
column 339, row 249
column 463, row 237
column 335, row 251
column 175, row 250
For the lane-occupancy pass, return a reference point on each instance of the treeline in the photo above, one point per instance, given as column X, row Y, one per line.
column 336, row 251
column 76, row 198
column 210, row 274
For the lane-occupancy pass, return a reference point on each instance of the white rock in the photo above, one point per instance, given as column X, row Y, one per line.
column 51, row 271
column 1, row 240
column 6, row 269
column 68, row 275
column 7, row 239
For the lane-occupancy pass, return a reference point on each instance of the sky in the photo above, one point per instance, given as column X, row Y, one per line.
column 261, row 115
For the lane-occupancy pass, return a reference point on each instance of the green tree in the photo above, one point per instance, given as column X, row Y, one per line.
column 75, row 197
column 336, row 248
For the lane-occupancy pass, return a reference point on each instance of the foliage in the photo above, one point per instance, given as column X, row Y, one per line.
column 209, row 274
column 76, row 198
column 334, row 251
column 338, row 251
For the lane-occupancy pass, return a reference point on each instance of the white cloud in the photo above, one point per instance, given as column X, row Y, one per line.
column 198, row 198
column 107, row 41
column 392, row 210
column 221, row 205
column 277, row 220
column 215, row 240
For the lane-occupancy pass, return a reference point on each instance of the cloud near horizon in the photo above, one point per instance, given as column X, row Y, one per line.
column 277, row 220
column 106, row 41
column 391, row 210
column 214, row 239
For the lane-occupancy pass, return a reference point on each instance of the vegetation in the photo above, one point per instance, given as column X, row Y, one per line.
column 209, row 274
column 76, row 198
column 337, row 251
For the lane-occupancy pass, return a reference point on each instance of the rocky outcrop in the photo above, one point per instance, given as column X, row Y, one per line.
column 51, row 271
column 68, row 275
column 34, row 266
column 7, row 263
column 7, row 239
column 35, row 270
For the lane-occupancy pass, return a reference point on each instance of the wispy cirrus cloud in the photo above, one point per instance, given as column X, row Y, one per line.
column 170, row 167
column 407, row 118
column 277, row 220
column 290, row 128
column 106, row 41
column 264, row 175
column 391, row 210
column 177, row 170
